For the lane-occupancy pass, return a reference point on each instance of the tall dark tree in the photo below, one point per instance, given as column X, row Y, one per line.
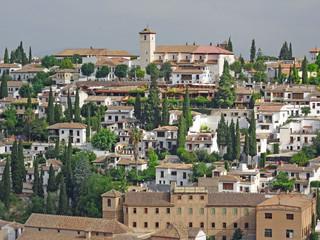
column 88, row 129
column 186, row 110
column 49, row 204
column 165, row 111
column 69, row 115
column 290, row 52
column 230, row 141
column 35, row 185
column 82, row 173
column 253, row 51
column 6, row 183
column 304, row 70
column 279, row 73
column 77, row 110
column 63, row 202
column 229, row 46
column 30, row 55
column 285, row 52
column 57, row 147
column 52, row 180
column 237, row 235
column 252, row 139
column 14, row 168
column 137, row 107
column 237, row 145
column 152, row 107
column 4, row 86
column 57, row 113
column 246, row 147
column 181, row 140
column 40, row 187
column 6, row 56
column 50, row 113
column 222, row 133
column 166, row 69
column 68, row 170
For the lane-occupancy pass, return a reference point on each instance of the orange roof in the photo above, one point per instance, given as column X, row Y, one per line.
column 314, row 50
column 147, row 31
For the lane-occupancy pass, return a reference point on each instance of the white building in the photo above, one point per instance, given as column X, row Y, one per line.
column 173, row 172
column 8, row 68
column 26, row 73
column 77, row 132
column 10, row 230
column 191, row 75
column 116, row 113
column 99, row 100
column 314, row 54
column 66, row 76
column 64, row 96
column 13, row 88
column 202, row 141
column 166, row 137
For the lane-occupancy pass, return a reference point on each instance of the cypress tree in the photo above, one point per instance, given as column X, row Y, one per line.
column 99, row 120
column 35, row 186
column 63, row 202
column 88, row 130
column 40, row 187
column 137, row 107
column 313, row 222
column 186, row 110
column 226, row 165
column 50, row 114
column 49, row 204
column 6, row 183
column 229, row 153
column 237, row 148
column 69, row 110
column 222, row 133
column 181, row 141
column 14, row 167
column 165, row 111
column 279, row 73
column 77, row 111
column 152, row 107
column 29, row 103
column 304, row 71
column 246, row 149
column 230, row 47
column 4, row 86
column 275, row 74
column 57, row 113
column 290, row 52
column 57, row 147
column 252, row 139
column 30, row 55
column 52, row 180
column 22, row 169
column 6, row 56
column 253, row 51
column 68, row 171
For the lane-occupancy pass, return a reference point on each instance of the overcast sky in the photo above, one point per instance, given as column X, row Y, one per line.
column 50, row 26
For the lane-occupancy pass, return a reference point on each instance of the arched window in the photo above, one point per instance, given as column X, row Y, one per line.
column 109, row 203
column 145, row 37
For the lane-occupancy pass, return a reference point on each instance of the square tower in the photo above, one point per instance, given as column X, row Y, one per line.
column 147, row 47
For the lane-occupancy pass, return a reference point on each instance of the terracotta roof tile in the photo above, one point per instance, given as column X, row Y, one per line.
column 112, row 193
column 167, row 128
column 9, row 65
column 147, row 199
column 93, row 52
column 235, row 199
column 67, row 126
column 176, row 166
column 292, row 200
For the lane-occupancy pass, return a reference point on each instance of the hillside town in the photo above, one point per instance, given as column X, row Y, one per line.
column 181, row 142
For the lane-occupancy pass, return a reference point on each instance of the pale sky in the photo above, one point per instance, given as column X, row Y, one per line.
column 50, row 26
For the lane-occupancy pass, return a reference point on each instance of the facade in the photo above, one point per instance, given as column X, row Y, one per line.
column 285, row 216
column 76, row 131
column 117, row 113
column 202, row 141
column 99, row 100
column 26, row 73
column 178, row 173
column 166, row 137
column 10, row 230
column 66, row 76
column 314, row 54
column 191, row 75
column 8, row 68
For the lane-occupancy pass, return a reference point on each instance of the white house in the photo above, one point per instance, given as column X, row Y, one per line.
column 8, row 68
column 99, row 100
column 76, row 131
column 116, row 113
column 26, row 73
column 45, row 171
column 314, row 54
column 13, row 88
column 173, row 172
column 166, row 137
column 192, row 75
column 10, row 230
column 205, row 141
column 129, row 163
column 64, row 95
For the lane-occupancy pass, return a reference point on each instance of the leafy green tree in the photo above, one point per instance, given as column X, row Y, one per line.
column 36, row 206
column 226, row 165
column 309, row 151
column 6, row 184
column 313, row 222
column 63, row 202
column 49, row 61
column 283, row 183
column 76, row 59
column 104, row 139
column 35, row 185
column 253, row 51
column 49, row 204
column 314, row 236
column 305, row 110
column 300, row 159
column 28, row 116
column 285, row 52
column 263, row 160
column 4, row 85
column 236, row 67
column 81, row 175
column 304, row 68
column 87, row 69
column 52, row 180
column 150, row 173
column 77, row 110
column 38, row 130
column 199, row 170
column 121, row 71
column 260, row 67
column 57, row 113
column 166, row 69
column 137, row 107
column 181, row 140
column 152, row 107
column 66, row 63
column 25, row 91
column 153, row 71
column 186, row 110
column 237, row 235
column 6, row 56
column 136, row 137
column 165, row 111
column 103, row 72
column 50, row 113
column 140, row 74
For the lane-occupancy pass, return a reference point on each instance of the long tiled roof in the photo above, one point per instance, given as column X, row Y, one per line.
column 235, row 199
column 196, row 49
column 295, row 168
column 161, row 199
column 76, row 223
column 9, row 65
column 93, row 52
column 292, row 200
column 176, row 166
column 67, row 125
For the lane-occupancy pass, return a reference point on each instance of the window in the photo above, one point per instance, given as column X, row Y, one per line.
column 168, row 224
column 235, row 210
column 157, row 224
column 224, row 237
column 168, row 210
column 201, row 197
column 201, row 211
column 145, row 224
column 184, row 175
column 268, row 215
column 190, row 224
column 78, row 232
column 179, row 197
column 134, row 224
column 109, row 202
column 134, row 210
column 246, row 211
column 213, row 210
column 157, row 210
column 190, row 197
column 227, row 186
column 190, row 210
column 213, row 225
column 174, row 173
column 146, row 210
column 202, row 225
column 289, row 234
column 179, row 210
column 246, row 225
column 224, row 225
column 39, row 229
column 144, row 37
column 224, row 211
column 58, row 230
column 290, row 217
column 235, row 225
column 162, row 174
column 268, row 232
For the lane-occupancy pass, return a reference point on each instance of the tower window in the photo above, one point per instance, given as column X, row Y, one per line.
column 109, row 203
column 145, row 37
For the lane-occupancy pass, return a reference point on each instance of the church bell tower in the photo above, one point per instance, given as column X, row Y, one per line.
column 147, row 47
